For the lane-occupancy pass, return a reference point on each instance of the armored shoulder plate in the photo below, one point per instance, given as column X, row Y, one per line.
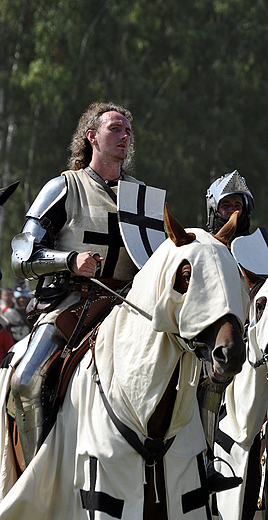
column 26, row 261
column 51, row 193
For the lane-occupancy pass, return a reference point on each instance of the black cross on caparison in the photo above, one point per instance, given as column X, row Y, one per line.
column 97, row 500
column 112, row 239
column 198, row 497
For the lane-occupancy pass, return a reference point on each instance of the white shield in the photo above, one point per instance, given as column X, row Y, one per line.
column 251, row 251
column 141, row 219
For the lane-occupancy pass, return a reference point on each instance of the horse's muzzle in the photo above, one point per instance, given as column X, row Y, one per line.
column 227, row 360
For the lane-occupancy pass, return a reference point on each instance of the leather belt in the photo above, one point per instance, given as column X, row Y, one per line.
column 83, row 285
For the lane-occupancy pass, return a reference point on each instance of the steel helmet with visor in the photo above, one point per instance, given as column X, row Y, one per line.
column 228, row 184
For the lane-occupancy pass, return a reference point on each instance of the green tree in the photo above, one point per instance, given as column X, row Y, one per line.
column 193, row 74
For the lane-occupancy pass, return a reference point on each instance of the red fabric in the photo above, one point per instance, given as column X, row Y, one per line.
column 6, row 341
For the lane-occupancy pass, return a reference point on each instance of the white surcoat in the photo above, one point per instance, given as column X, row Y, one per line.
column 92, row 225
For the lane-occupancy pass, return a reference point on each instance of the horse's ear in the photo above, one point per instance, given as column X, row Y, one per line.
column 175, row 231
column 225, row 234
column 251, row 278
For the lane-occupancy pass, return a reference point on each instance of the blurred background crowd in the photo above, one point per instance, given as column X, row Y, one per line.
column 13, row 322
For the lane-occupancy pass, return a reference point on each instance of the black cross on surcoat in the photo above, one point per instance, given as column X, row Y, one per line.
column 112, row 239
column 97, row 500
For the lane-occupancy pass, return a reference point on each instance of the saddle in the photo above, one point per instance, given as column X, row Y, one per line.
column 99, row 308
column 80, row 337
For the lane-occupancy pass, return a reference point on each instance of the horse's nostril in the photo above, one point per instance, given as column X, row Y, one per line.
column 219, row 354
column 223, row 356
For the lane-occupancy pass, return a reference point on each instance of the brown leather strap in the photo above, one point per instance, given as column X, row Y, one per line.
column 82, row 284
column 82, row 287
column 94, row 175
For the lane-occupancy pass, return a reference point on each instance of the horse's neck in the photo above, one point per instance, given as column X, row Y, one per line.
column 160, row 420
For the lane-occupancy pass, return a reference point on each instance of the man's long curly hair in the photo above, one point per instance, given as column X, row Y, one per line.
column 81, row 150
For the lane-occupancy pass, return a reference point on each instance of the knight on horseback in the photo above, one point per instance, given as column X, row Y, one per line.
column 226, row 195
column 137, row 394
column 73, row 216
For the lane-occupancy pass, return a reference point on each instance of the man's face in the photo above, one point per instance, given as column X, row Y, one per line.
column 7, row 297
column 229, row 204
column 112, row 137
column 22, row 301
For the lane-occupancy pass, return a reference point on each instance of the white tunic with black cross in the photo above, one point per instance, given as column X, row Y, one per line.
column 92, row 225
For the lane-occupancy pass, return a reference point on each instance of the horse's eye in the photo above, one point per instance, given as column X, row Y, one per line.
column 183, row 277
column 260, row 306
column 186, row 276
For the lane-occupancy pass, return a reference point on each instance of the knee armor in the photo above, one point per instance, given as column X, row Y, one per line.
column 27, row 387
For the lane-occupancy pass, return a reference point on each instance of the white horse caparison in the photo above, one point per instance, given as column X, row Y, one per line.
column 86, row 468
column 246, row 402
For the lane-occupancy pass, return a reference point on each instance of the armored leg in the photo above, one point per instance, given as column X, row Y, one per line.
column 209, row 397
column 27, row 388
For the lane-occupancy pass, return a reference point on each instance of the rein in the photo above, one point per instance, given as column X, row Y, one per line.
column 262, row 361
column 191, row 344
column 138, row 309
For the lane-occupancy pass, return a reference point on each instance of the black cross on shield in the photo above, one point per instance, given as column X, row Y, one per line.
column 144, row 223
column 97, row 500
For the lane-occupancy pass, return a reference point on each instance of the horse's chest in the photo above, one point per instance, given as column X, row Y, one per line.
column 160, row 420
column 157, row 427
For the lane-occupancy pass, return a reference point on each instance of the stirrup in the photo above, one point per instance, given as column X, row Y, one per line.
column 217, row 482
